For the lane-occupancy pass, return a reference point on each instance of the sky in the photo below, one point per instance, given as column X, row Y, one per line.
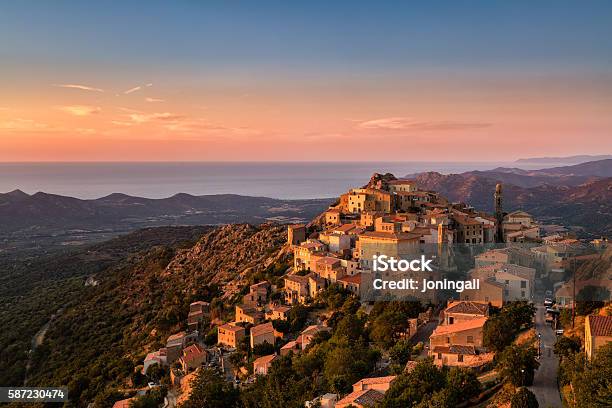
column 282, row 81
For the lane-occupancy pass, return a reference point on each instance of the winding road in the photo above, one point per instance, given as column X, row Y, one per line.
column 545, row 380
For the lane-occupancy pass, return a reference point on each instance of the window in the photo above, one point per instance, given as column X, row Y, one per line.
column 439, row 356
column 507, row 282
column 470, row 339
column 460, row 358
column 523, row 284
column 522, row 293
column 448, row 340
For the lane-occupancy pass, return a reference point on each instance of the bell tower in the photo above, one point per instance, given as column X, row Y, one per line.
column 499, row 212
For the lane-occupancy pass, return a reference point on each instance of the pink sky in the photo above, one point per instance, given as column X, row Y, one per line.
column 420, row 118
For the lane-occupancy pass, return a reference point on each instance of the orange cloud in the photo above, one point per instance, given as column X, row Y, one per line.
column 406, row 123
column 78, row 86
column 80, row 110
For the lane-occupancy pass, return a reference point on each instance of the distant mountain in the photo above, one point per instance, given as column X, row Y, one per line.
column 556, row 161
column 50, row 213
column 558, row 176
column 586, row 205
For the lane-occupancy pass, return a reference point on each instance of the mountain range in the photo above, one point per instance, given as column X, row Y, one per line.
column 577, row 196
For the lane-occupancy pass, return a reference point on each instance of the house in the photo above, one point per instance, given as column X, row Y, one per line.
column 296, row 234
column 263, row 364
column 490, row 292
column 278, row 312
column 262, row 333
column 296, row 289
column 332, row 216
column 197, row 311
column 460, row 356
column 515, row 287
column 468, row 230
column 361, row 399
column 468, row 333
column 492, row 257
column 248, row 314
column 174, row 346
column 303, row 253
column 402, row 185
column 393, row 244
column 292, row 346
column 459, row 311
column 309, row 333
column 315, row 284
column 352, row 283
column 230, row 335
column 324, row 401
column 381, row 384
column 597, row 332
column 158, row 357
column 193, row 357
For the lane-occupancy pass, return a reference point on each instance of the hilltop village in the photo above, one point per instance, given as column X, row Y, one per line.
column 303, row 320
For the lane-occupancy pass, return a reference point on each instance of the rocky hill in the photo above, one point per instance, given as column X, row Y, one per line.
column 106, row 330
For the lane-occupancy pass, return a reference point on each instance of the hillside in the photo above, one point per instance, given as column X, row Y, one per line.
column 32, row 288
column 103, row 335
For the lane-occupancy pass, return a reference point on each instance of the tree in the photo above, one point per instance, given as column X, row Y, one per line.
column 497, row 333
column 462, row 384
column 517, row 365
column 297, row 317
column 411, row 388
column 400, row 352
column 524, row 398
column 152, row 399
column 387, row 327
column 592, row 381
column 566, row 346
column 209, row 389
column 263, row 349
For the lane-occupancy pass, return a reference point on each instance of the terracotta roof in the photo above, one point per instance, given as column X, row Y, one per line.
column 297, row 278
column 600, row 325
column 456, row 349
column 376, row 380
column 280, row 309
column 192, row 352
column 329, row 260
column 391, row 235
column 364, row 397
column 465, row 220
column 401, row 181
column 265, row 360
column 315, row 328
column 176, row 336
column 290, row 346
column 356, row 279
column 345, row 227
column 261, row 329
column 125, row 403
column 231, row 327
column 457, row 327
column 468, row 308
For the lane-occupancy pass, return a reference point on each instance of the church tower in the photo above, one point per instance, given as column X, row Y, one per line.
column 499, row 212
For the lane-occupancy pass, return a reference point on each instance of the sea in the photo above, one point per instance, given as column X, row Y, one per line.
column 284, row 180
